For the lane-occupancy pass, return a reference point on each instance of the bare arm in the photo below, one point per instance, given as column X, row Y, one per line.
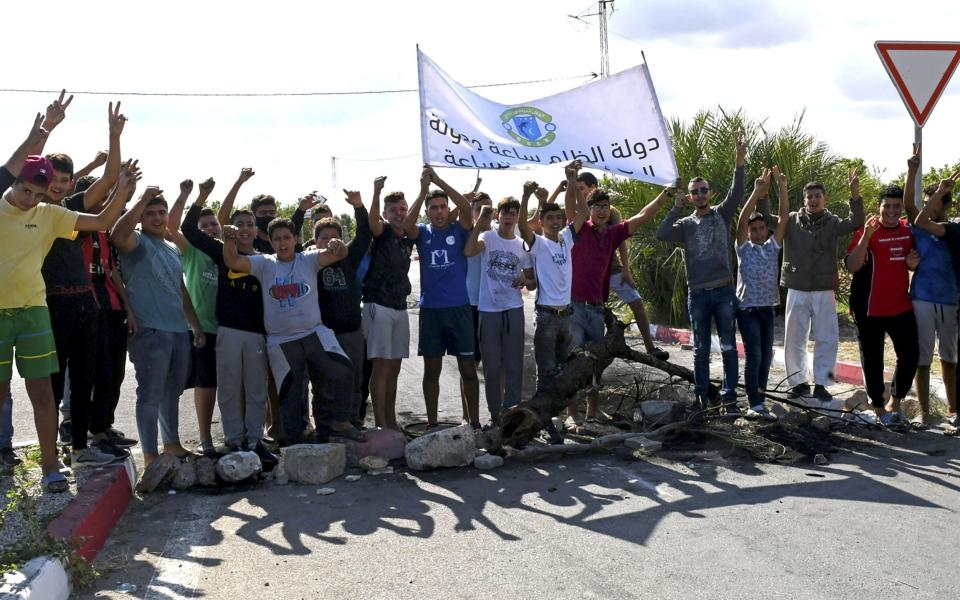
column 760, row 188
column 199, row 339
column 376, row 223
column 410, row 222
column 474, row 244
column 571, row 196
column 934, row 204
column 109, row 214
column 97, row 192
column 856, row 259
column 783, row 196
column 231, row 256
column 175, row 216
column 123, row 232
column 857, row 215
column 336, row 250
column 125, row 300
column 223, row 215
column 465, row 215
column 649, row 211
column 526, row 232
column 909, row 193
column 96, row 163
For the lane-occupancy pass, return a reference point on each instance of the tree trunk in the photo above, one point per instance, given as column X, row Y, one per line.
column 521, row 423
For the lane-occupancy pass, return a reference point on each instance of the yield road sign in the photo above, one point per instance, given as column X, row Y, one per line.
column 920, row 71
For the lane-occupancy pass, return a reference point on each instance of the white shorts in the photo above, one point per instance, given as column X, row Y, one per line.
column 625, row 292
column 387, row 331
column 936, row 322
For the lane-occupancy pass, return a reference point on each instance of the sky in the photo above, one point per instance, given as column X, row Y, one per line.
column 775, row 59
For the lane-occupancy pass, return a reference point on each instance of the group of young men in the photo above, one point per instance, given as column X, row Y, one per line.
column 234, row 306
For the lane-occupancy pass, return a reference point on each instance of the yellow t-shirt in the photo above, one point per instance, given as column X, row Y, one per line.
column 25, row 239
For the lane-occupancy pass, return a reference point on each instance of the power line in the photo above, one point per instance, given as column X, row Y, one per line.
column 283, row 94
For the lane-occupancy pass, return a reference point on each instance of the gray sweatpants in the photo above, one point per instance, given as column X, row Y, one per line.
column 241, row 385
column 501, row 345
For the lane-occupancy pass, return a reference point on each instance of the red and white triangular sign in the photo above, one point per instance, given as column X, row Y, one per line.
column 920, row 71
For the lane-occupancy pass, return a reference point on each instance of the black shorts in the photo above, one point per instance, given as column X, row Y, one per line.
column 446, row 331
column 203, row 366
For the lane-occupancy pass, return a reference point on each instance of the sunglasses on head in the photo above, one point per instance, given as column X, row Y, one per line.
column 700, row 191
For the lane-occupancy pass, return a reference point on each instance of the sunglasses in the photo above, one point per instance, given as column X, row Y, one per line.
column 699, row 191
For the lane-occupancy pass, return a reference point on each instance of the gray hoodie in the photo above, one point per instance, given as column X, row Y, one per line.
column 706, row 240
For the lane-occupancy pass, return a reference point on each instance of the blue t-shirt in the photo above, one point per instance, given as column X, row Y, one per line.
column 443, row 266
column 934, row 280
column 153, row 275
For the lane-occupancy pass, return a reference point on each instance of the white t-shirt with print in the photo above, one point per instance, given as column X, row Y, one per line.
column 503, row 261
column 554, row 266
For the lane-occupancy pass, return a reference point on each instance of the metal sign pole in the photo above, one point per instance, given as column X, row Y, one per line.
column 918, row 184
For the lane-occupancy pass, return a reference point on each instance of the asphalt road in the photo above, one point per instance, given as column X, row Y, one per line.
column 697, row 521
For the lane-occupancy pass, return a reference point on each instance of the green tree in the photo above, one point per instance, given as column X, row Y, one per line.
column 704, row 147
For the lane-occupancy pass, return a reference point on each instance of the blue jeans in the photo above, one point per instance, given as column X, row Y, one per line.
column 161, row 360
column 6, row 423
column 718, row 305
column 756, row 329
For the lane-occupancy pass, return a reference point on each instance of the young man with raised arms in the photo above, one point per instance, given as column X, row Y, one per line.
column 446, row 321
column 386, row 326
column 298, row 343
column 758, row 290
column 28, row 228
column 880, row 256
column 705, row 237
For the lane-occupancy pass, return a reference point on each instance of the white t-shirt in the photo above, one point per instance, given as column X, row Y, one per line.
column 554, row 266
column 503, row 261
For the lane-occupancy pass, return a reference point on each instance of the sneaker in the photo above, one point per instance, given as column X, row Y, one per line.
column 90, row 457
column 800, row 390
column 760, row 411
column 659, row 353
column 113, row 450
column 8, row 458
column 730, row 408
column 267, row 460
column 117, row 438
column 66, row 437
column 821, row 394
column 215, row 454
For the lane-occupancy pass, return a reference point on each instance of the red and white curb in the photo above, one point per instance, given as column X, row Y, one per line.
column 89, row 518
column 844, row 372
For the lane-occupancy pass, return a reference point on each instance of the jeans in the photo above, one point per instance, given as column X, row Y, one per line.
column 551, row 345
column 756, row 329
column 161, row 360
column 109, row 371
column 718, row 305
column 307, row 359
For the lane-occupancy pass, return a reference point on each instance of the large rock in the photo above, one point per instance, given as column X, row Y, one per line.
column 821, row 422
column 160, row 471
column 206, row 471
column 485, row 462
column 184, row 476
column 314, row 463
column 857, row 401
column 452, row 447
column 657, row 413
column 368, row 463
column 382, row 442
column 910, row 407
column 238, row 466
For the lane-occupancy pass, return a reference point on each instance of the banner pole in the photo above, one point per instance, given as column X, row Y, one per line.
column 423, row 129
column 918, row 184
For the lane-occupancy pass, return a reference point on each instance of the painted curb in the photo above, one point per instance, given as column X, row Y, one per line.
column 42, row 578
column 98, row 506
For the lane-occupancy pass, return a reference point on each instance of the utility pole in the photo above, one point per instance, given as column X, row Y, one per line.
column 604, row 44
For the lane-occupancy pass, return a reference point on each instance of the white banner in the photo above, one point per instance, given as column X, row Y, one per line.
column 612, row 124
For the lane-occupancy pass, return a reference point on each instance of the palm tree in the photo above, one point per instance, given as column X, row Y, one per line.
column 704, row 147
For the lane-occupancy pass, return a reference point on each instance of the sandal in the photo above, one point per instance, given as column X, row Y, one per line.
column 572, row 424
column 55, row 483
column 349, row 432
